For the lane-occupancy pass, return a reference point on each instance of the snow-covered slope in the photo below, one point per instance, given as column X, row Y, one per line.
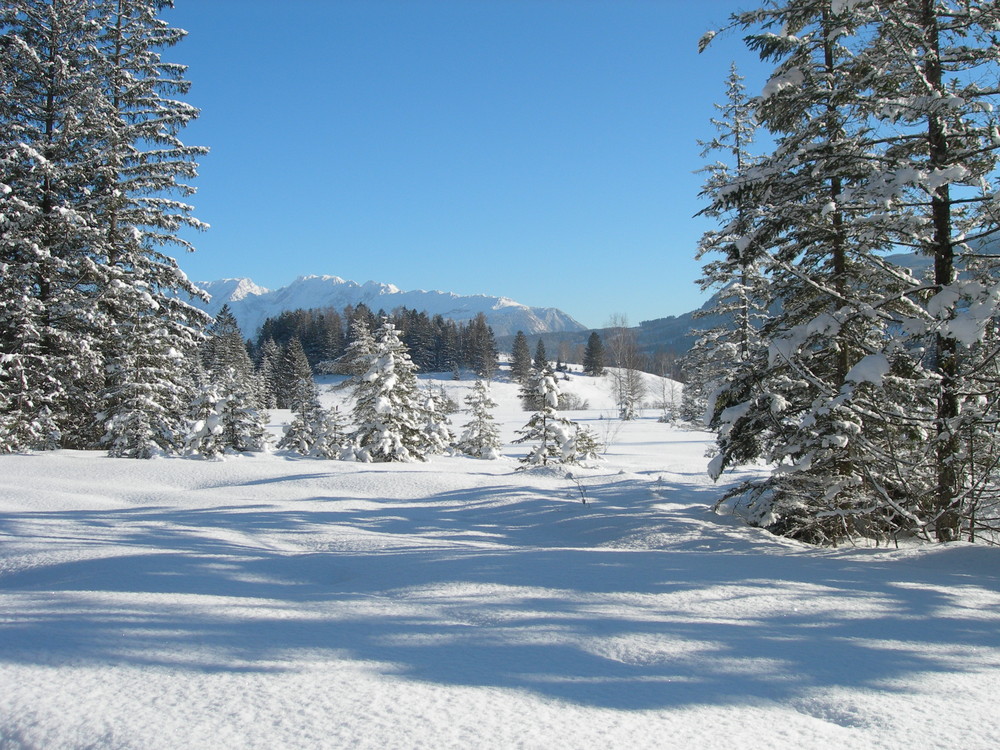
column 252, row 304
column 277, row 602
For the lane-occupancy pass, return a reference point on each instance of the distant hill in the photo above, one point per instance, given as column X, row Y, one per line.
column 673, row 336
column 253, row 304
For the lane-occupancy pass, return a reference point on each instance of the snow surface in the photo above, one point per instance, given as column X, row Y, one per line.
column 282, row 602
column 252, row 304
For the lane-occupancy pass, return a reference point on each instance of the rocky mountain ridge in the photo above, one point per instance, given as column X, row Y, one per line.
column 252, row 304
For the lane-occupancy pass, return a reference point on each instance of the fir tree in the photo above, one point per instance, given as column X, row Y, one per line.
column 268, row 373
column 593, row 356
column 554, row 436
column 298, row 389
column 520, row 359
column 480, row 437
column 860, row 394
column 938, row 116
column 438, row 437
column 93, row 163
column 541, row 360
column 480, row 347
column 387, row 413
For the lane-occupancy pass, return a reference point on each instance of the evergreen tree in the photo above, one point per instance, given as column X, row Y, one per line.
column 792, row 403
column 90, row 304
column 481, row 436
column 268, row 372
column 541, row 361
column 438, row 437
column 555, row 437
column 224, row 418
column 204, row 436
column 860, row 394
column 330, row 437
column 48, row 348
column 520, row 359
column 244, row 425
column 723, row 352
column 357, row 357
column 298, row 387
column 387, row 413
column 936, row 102
column 223, row 348
column 593, row 355
column 481, row 354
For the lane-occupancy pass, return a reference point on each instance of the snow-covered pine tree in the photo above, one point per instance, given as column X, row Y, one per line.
column 532, row 399
column 387, row 414
column 935, row 100
column 224, row 417
column 227, row 413
column 554, row 436
column 244, row 425
column 871, row 397
column 357, row 357
column 307, row 428
column 438, row 437
column 722, row 352
column 480, row 436
column 144, row 166
column 329, row 434
column 541, row 360
column 90, row 123
column 224, row 348
column 809, row 403
column 204, row 433
column 50, row 102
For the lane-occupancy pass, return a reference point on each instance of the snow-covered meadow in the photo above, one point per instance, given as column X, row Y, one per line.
column 276, row 601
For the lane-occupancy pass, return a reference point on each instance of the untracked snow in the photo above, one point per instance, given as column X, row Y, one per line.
column 281, row 602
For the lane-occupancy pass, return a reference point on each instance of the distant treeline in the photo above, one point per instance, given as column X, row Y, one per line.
column 434, row 343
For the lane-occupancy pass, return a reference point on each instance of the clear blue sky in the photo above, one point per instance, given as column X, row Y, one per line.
column 539, row 149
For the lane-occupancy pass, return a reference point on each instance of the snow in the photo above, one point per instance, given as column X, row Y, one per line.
column 272, row 601
column 871, row 368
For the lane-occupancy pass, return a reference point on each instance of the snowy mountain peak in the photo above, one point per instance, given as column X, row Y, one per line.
column 253, row 304
column 231, row 290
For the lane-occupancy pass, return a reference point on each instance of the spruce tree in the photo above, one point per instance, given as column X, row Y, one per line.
column 387, row 414
column 938, row 63
column 520, row 359
column 554, row 437
column 298, row 388
column 481, row 436
column 593, row 355
column 793, row 403
column 49, row 347
column 723, row 352
column 541, row 360
column 89, row 135
column 867, row 396
column 438, row 437
column 480, row 347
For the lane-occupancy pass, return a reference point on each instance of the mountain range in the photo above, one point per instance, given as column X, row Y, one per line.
column 252, row 304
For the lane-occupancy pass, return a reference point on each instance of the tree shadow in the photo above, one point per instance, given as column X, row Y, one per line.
column 505, row 586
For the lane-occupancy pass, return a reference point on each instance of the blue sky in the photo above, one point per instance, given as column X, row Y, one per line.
column 539, row 149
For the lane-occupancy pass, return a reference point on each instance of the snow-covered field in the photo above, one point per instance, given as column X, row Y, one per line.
column 282, row 602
